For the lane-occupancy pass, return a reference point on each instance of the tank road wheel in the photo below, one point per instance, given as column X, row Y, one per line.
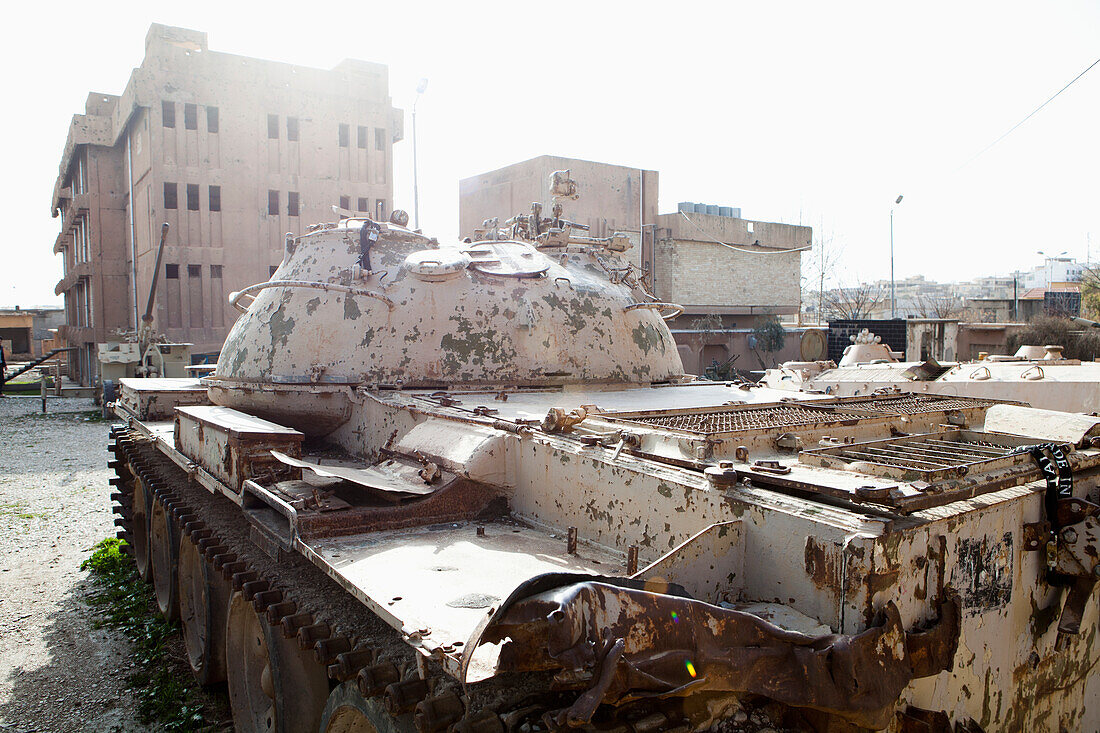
column 273, row 685
column 347, row 711
column 164, row 538
column 204, row 604
column 140, row 528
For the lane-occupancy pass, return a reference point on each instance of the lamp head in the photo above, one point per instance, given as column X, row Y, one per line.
column 422, row 85
column 900, row 197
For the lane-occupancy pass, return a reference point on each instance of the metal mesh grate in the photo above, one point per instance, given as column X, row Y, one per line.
column 930, row 457
column 913, row 404
column 929, row 454
column 763, row 418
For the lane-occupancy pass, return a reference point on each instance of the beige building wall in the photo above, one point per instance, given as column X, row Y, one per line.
column 611, row 197
column 761, row 277
column 233, row 152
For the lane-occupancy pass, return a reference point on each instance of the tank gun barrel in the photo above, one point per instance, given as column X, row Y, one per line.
column 148, row 316
column 1085, row 322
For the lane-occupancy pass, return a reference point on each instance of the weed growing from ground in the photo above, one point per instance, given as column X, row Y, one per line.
column 125, row 602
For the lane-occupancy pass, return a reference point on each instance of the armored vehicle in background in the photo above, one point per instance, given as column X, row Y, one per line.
column 467, row 487
column 1035, row 375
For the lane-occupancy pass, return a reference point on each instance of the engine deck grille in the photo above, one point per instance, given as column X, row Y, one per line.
column 915, row 404
column 753, row 418
column 929, row 457
column 789, row 415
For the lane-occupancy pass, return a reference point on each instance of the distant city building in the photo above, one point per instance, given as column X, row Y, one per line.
column 233, row 152
column 727, row 272
column 1054, row 270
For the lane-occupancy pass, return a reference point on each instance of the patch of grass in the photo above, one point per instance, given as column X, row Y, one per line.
column 18, row 510
column 171, row 701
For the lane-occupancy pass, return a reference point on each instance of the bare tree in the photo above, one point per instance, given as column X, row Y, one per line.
column 938, row 306
column 1090, row 292
column 820, row 268
column 853, row 303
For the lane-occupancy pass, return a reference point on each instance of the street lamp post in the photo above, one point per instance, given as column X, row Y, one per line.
column 893, row 290
column 421, row 86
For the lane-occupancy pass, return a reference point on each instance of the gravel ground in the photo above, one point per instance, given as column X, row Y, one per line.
column 57, row 672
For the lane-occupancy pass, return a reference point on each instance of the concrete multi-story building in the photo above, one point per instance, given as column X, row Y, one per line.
column 611, row 198
column 232, row 152
column 734, row 270
column 729, row 274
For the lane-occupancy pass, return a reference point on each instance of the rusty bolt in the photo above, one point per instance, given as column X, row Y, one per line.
column 1069, row 535
column 220, row 561
column 438, row 713
column 232, row 568
column 571, row 541
column 485, row 721
column 480, row 531
column 308, row 636
column 402, row 697
column 327, row 650
column 741, row 453
column 239, row 579
column 348, row 664
column 373, row 681
column 266, row 598
column 276, row 612
column 251, row 588
column 291, row 624
column 631, row 559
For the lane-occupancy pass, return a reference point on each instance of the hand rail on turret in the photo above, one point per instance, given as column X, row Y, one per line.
column 675, row 308
column 235, row 296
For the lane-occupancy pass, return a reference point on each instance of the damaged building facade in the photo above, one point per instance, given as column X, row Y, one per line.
column 729, row 273
column 233, row 153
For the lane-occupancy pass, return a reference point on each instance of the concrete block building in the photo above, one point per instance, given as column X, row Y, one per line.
column 734, row 270
column 233, row 152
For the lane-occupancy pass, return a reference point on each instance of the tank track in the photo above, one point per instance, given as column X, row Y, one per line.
column 350, row 643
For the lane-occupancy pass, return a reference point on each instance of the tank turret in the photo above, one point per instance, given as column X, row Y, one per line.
column 372, row 303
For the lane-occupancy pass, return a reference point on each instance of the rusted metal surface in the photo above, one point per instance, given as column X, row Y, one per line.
column 157, row 399
column 458, row 500
column 235, row 447
column 623, row 644
column 932, row 457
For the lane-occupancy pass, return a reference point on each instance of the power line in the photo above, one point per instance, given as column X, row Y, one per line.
column 1033, row 113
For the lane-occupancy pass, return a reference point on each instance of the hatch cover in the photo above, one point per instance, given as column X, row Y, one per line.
column 508, row 259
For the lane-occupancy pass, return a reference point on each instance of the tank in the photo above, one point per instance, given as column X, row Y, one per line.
column 467, row 487
column 1035, row 375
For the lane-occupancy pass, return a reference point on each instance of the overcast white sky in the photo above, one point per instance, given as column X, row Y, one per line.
column 811, row 112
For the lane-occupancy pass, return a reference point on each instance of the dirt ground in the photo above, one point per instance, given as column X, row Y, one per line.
column 57, row 672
